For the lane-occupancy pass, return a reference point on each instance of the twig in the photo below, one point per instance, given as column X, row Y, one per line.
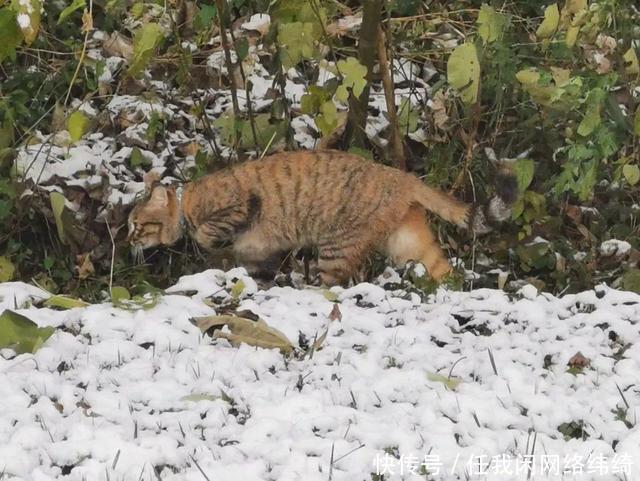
column 113, row 255
column 88, row 29
column 222, row 11
column 387, row 83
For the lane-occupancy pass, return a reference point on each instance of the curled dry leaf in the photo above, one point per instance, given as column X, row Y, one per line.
column 335, row 314
column 579, row 361
column 255, row 333
column 84, row 266
column 117, row 45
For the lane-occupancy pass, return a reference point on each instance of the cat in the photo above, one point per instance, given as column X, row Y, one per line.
column 339, row 203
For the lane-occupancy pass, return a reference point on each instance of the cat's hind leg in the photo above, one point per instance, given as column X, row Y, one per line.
column 414, row 240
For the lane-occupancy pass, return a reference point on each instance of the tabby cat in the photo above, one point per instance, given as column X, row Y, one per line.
column 341, row 204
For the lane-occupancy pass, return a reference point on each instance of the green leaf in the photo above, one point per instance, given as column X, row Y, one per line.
column 65, row 302
column 21, row 334
column 631, row 172
column 590, row 120
column 631, row 280
column 407, row 117
column 7, row 269
column 296, row 41
column 75, row 5
column 119, row 294
column 242, row 48
column 550, row 23
column 57, row 201
column 76, row 125
column 205, row 17
column 237, row 289
column 463, row 72
column 491, row 24
column 353, row 77
column 528, row 76
column 450, row 382
column 524, row 170
column 631, row 64
column 327, row 119
column 137, row 159
column 10, row 34
column 255, row 333
column 636, row 123
column 145, row 41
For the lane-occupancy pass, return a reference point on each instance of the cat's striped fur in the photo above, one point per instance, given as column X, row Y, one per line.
column 341, row 204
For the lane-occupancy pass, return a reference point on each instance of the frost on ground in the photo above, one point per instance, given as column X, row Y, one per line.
column 464, row 383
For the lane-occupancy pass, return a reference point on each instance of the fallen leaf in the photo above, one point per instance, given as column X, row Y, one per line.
column 550, row 23
column 64, row 302
column 335, row 314
column 255, row 333
column 578, row 361
column 20, row 333
column 450, row 382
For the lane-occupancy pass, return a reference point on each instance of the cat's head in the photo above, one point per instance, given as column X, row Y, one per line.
column 155, row 220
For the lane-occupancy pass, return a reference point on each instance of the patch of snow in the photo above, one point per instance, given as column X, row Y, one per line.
column 614, row 247
column 130, row 395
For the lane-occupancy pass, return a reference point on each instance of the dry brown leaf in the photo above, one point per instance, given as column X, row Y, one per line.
column 335, row 314
column 331, row 139
column 84, row 266
column 255, row 333
column 439, row 108
column 117, row 45
column 578, row 360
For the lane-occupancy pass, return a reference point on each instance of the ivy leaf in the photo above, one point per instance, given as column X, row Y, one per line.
column 296, row 41
column 491, row 24
column 75, row 5
column 10, row 34
column 631, row 65
column 631, row 173
column 550, row 23
column 76, row 125
column 145, row 41
column 353, row 77
column 524, row 170
column 327, row 119
column 463, row 72
column 28, row 17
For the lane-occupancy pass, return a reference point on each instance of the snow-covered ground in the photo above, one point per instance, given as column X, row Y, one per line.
column 469, row 385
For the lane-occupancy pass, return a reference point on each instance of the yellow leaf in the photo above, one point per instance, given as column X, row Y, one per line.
column 463, row 72
column 636, row 123
column 560, row 75
column 528, row 76
column 450, row 382
column 631, row 66
column 7, row 269
column 64, row 302
column 238, row 287
column 572, row 35
column 550, row 23
column 76, row 125
column 28, row 15
column 255, row 333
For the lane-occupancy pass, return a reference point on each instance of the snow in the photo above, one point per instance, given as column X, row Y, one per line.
column 130, row 395
column 614, row 247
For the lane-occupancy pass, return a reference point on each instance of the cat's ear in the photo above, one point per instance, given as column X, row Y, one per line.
column 150, row 180
column 159, row 196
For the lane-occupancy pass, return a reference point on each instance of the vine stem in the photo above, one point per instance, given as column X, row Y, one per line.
column 87, row 27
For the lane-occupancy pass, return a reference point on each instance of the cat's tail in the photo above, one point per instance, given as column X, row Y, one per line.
column 479, row 218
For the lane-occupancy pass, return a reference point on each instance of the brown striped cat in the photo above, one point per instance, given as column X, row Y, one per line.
column 339, row 203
